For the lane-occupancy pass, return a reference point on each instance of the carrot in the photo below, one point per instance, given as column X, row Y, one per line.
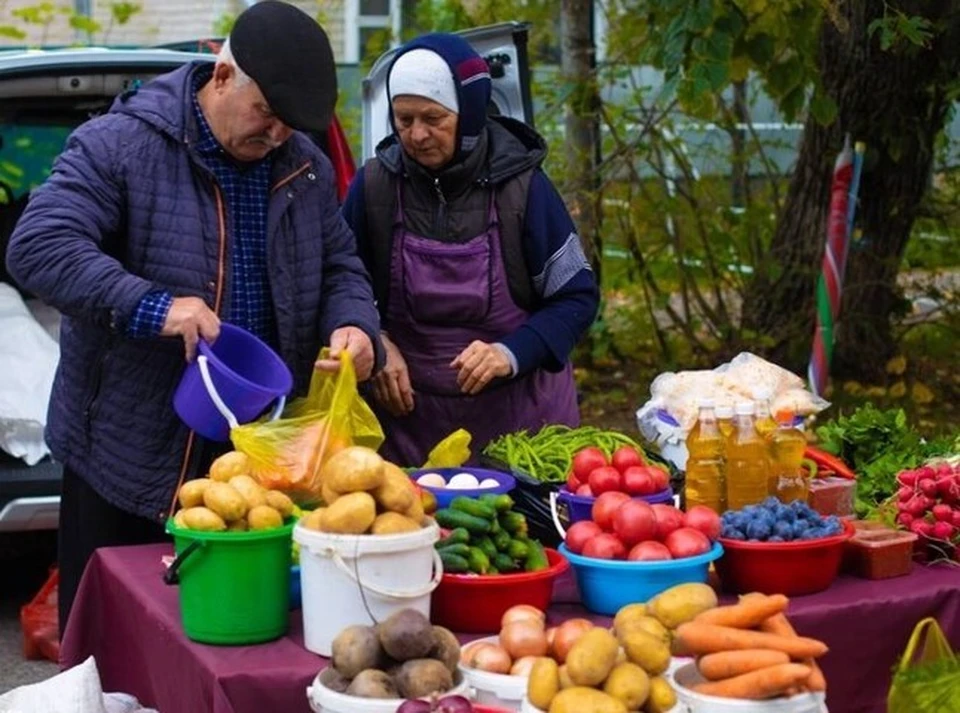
column 748, row 613
column 710, row 639
column 757, row 685
column 779, row 625
column 727, row 664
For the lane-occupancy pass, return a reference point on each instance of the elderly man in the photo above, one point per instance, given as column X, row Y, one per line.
column 193, row 200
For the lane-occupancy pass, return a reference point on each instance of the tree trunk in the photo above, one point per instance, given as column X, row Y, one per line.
column 578, row 65
column 896, row 101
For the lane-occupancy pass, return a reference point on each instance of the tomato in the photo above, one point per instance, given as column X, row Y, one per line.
column 573, row 483
column 579, row 533
column 702, row 518
column 687, row 542
column 625, row 457
column 584, row 491
column 661, row 479
column 637, row 481
column 668, row 519
column 604, row 480
column 647, row 551
column 634, row 522
column 587, row 461
column 605, row 506
column 605, row 546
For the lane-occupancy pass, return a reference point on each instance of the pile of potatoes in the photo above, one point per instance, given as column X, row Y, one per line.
column 230, row 499
column 364, row 494
column 401, row 657
column 620, row 669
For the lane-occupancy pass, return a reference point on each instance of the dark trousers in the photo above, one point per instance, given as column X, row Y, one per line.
column 87, row 522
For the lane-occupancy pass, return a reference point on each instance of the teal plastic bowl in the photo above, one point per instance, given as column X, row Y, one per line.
column 606, row 586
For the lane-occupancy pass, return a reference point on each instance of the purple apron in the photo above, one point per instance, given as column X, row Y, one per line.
column 442, row 297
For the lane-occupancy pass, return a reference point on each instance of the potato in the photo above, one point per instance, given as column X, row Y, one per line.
column 648, row 652
column 628, row 615
column 311, row 520
column 647, row 624
column 544, row 682
column 224, row 500
column 334, row 680
column 416, row 512
column 191, row 492
column 372, row 684
column 662, row 696
column 351, row 514
column 352, row 470
column 201, row 518
column 629, row 684
column 581, row 699
column 356, row 649
column 396, row 493
column 328, row 495
column 393, row 523
column 280, row 502
column 421, row 677
column 240, row 525
column 682, row 603
column 264, row 517
column 178, row 520
column 592, row 657
column 254, row 493
column 565, row 681
column 229, row 465
column 406, row 634
column 447, row 648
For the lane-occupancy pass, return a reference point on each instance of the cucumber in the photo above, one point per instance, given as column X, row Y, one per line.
column 454, row 563
column 458, row 535
column 514, row 523
column 495, row 526
column 505, row 564
column 518, row 549
column 536, row 559
column 500, row 503
column 479, row 562
column 502, row 540
column 473, row 507
column 486, row 544
column 457, row 548
column 452, row 519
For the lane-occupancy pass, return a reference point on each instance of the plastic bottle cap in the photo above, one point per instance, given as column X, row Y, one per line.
column 745, row 408
column 724, row 411
column 706, row 403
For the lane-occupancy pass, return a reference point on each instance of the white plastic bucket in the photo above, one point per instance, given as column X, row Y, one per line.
column 362, row 579
column 689, row 701
column 326, row 700
column 495, row 689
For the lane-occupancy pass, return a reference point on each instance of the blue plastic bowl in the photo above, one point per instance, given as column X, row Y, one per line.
column 606, row 586
column 580, row 507
column 445, row 496
column 295, row 595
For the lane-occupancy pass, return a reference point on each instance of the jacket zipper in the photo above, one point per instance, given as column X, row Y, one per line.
column 97, row 383
column 441, row 224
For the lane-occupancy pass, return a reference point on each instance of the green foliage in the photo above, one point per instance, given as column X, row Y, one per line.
column 896, row 28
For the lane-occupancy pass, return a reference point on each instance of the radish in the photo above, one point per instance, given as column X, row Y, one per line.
column 944, row 483
column 928, row 487
column 956, row 518
column 942, row 513
column 925, row 472
column 922, row 528
column 905, row 493
column 944, row 469
column 927, row 502
column 915, row 506
column 908, row 477
column 942, row 531
column 904, row 519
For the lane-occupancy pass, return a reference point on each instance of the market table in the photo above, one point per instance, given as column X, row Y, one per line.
column 126, row 617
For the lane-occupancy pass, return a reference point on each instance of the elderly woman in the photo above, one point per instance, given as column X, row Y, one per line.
column 481, row 281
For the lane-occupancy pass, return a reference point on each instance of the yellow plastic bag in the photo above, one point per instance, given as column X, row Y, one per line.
column 452, row 452
column 927, row 678
column 287, row 454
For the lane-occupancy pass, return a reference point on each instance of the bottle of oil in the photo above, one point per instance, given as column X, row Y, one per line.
column 787, row 444
column 725, row 420
column 748, row 461
column 765, row 423
column 705, row 466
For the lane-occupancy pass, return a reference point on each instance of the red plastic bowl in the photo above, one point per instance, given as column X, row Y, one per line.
column 791, row 568
column 475, row 603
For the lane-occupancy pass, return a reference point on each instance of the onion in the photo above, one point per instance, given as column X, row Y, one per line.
column 491, row 658
column 551, row 635
column 522, row 666
column 414, row 706
column 567, row 635
column 467, row 651
column 524, row 638
column 523, row 612
column 453, row 704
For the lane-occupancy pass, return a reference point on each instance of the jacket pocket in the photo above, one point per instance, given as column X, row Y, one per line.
column 92, row 403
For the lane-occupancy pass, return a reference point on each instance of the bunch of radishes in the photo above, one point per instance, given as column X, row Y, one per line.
column 928, row 502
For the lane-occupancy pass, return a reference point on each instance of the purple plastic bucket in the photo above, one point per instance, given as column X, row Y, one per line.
column 445, row 496
column 230, row 382
column 579, row 506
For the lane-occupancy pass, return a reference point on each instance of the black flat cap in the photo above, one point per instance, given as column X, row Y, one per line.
column 288, row 55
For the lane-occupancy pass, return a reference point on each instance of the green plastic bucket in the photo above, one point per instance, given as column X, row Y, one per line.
column 234, row 586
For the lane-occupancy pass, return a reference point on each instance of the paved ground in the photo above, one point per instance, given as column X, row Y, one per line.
column 24, row 561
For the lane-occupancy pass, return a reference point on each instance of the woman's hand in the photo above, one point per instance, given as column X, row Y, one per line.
column 478, row 365
column 391, row 387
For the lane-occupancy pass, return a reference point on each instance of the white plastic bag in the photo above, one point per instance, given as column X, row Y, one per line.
column 76, row 690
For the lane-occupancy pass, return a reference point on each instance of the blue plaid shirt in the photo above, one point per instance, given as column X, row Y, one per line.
column 246, row 191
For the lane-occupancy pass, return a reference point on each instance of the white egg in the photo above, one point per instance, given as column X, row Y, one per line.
column 432, row 480
column 488, row 483
column 463, row 481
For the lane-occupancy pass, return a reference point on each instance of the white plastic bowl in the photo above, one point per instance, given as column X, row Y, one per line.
column 326, row 700
column 689, row 701
column 495, row 689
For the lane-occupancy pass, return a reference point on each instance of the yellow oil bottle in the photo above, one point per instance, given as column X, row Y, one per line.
column 704, row 483
column 787, row 445
column 747, row 461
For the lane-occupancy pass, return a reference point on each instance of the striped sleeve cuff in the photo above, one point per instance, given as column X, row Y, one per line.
column 150, row 315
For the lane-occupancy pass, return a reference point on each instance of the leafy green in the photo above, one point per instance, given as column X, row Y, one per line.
column 877, row 444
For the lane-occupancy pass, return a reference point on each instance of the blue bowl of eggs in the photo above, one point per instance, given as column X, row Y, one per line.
column 448, row 483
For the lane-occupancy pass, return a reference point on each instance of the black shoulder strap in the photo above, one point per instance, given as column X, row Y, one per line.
column 379, row 197
column 512, row 207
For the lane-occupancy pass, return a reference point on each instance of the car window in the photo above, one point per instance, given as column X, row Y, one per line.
column 27, row 152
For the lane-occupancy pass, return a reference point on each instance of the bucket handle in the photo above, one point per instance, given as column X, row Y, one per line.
column 556, row 515
column 390, row 593
column 172, row 576
column 218, row 402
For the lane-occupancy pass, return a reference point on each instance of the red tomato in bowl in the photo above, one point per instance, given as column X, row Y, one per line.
column 573, row 483
column 605, row 546
column 634, row 522
column 649, row 551
column 668, row 519
column 584, row 491
column 637, row 481
column 625, row 457
column 587, row 461
column 687, row 542
column 605, row 480
column 579, row 534
column 702, row 518
column 605, row 506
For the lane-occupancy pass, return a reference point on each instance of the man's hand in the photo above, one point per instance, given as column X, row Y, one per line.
column 190, row 318
column 478, row 364
column 355, row 341
column 391, row 387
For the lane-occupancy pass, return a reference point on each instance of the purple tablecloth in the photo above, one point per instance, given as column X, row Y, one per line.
column 129, row 620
